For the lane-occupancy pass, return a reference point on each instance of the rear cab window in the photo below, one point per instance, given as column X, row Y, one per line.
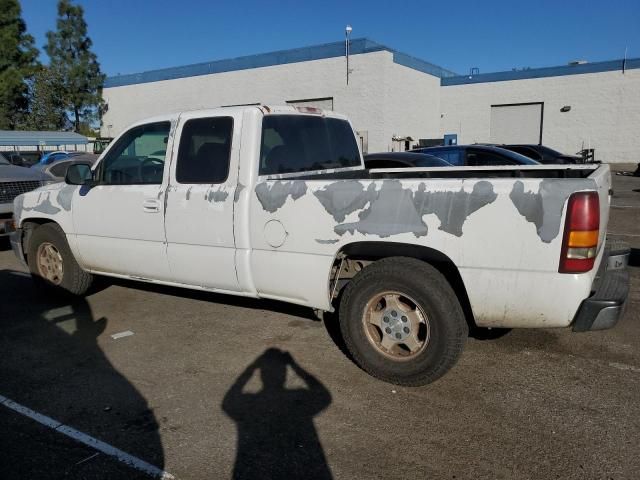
column 303, row 143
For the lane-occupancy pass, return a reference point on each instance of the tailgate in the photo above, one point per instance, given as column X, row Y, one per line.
column 602, row 177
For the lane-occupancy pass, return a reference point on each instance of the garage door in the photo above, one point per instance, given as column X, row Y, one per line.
column 516, row 123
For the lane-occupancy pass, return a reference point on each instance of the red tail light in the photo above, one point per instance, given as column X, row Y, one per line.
column 581, row 231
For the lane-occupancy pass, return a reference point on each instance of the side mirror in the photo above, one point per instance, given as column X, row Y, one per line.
column 79, row 174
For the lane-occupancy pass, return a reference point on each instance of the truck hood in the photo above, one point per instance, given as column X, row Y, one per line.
column 13, row 173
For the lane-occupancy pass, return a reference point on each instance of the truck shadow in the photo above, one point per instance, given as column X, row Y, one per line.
column 275, row 430
column 52, row 363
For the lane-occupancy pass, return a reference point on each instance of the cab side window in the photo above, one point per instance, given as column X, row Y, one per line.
column 138, row 157
column 205, row 150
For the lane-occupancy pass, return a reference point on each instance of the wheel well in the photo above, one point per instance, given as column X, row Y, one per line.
column 355, row 256
column 28, row 226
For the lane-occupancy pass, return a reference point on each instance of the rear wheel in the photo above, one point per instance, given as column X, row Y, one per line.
column 52, row 264
column 402, row 322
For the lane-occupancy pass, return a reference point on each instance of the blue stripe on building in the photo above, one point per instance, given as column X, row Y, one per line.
column 358, row 46
column 282, row 57
column 595, row 67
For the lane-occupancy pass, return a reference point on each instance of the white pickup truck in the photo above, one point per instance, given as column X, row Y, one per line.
column 274, row 202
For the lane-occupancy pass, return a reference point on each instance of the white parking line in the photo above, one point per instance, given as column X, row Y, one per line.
column 87, row 440
column 624, row 366
column 623, row 234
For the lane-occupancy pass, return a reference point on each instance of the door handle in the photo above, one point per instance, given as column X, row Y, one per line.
column 151, row 205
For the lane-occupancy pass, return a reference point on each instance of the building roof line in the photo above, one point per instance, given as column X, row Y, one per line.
column 280, row 57
column 543, row 72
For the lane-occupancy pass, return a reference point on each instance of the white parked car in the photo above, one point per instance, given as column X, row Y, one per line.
column 276, row 203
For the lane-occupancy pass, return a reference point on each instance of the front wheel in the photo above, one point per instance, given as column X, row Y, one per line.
column 402, row 322
column 52, row 265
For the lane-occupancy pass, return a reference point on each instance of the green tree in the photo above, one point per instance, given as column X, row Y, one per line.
column 69, row 50
column 18, row 62
column 47, row 107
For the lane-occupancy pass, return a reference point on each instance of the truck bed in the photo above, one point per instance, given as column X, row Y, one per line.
column 502, row 227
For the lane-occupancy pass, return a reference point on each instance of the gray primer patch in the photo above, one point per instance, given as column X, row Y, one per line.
column 327, row 242
column 217, row 196
column 236, row 195
column 188, row 196
column 17, row 206
column 64, row 197
column 44, row 206
column 392, row 211
column 342, row 198
column 396, row 210
column 453, row 208
column 273, row 196
column 544, row 209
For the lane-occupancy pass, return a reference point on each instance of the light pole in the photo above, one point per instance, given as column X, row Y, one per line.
column 347, row 33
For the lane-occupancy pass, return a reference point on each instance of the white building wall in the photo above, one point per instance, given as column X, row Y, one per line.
column 379, row 99
column 605, row 111
column 412, row 105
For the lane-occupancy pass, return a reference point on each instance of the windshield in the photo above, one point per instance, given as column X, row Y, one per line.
column 301, row 143
column 3, row 160
column 517, row 157
column 431, row 161
column 549, row 151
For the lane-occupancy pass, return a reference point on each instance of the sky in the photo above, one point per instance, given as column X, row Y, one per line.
column 132, row 36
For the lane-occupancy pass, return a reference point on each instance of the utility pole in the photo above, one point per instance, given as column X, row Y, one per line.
column 347, row 33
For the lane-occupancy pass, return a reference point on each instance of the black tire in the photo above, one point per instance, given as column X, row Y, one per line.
column 74, row 279
column 432, row 293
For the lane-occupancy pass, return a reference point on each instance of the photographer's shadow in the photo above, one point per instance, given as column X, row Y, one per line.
column 276, row 434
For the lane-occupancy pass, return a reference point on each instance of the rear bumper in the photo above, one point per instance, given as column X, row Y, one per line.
column 606, row 305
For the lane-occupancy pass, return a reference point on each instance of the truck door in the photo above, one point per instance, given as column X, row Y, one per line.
column 119, row 223
column 200, row 201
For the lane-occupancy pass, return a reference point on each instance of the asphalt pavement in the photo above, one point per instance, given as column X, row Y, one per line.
column 181, row 390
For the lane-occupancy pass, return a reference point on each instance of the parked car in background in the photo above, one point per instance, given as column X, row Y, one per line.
column 542, row 154
column 477, row 155
column 22, row 158
column 402, row 160
column 57, row 167
column 15, row 180
column 50, row 156
column 100, row 144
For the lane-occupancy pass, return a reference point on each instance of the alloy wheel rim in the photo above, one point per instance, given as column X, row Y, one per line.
column 50, row 264
column 396, row 325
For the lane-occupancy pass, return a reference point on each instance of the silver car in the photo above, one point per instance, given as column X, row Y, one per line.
column 15, row 180
column 58, row 168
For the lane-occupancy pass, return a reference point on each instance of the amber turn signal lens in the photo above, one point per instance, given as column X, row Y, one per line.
column 579, row 239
